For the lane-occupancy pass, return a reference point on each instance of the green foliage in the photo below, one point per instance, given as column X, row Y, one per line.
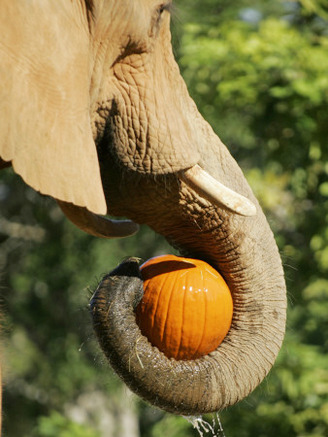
column 315, row 7
column 57, row 425
column 172, row 426
column 268, row 81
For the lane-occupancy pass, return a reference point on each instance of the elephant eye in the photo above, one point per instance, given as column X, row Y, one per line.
column 157, row 16
column 164, row 7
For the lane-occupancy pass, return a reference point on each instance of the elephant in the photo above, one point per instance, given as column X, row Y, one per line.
column 95, row 113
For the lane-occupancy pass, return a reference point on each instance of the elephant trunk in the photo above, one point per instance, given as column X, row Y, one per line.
column 241, row 248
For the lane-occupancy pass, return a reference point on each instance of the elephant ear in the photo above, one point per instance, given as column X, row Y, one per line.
column 45, row 128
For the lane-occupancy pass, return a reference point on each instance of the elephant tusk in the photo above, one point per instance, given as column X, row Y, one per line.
column 96, row 225
column 209, row 188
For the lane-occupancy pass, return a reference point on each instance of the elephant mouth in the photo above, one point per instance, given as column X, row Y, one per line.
column 195, row 177
column 243, row 250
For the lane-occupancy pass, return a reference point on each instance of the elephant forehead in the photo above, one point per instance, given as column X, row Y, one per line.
column 154, row 121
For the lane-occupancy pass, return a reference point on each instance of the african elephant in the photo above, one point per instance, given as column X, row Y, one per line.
column 95, row 113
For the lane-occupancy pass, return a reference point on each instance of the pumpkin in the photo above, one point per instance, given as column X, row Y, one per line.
column 186, row 310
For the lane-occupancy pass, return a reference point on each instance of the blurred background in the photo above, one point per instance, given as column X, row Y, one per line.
column 258, row 72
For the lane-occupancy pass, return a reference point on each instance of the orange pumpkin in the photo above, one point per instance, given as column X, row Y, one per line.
column 187, row 307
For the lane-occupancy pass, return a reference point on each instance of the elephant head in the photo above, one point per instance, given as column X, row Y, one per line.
column 95, row 113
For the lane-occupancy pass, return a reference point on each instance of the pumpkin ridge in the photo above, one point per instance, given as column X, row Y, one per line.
column 161, row 332
column 204, row 325
column 186, row 327
column 157, row 293
column 183, row 318
column 167, row 313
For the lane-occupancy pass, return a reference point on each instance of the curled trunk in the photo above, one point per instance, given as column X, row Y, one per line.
column 242, row 249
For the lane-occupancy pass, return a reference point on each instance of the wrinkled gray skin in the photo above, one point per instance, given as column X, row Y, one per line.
column 114, row 84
